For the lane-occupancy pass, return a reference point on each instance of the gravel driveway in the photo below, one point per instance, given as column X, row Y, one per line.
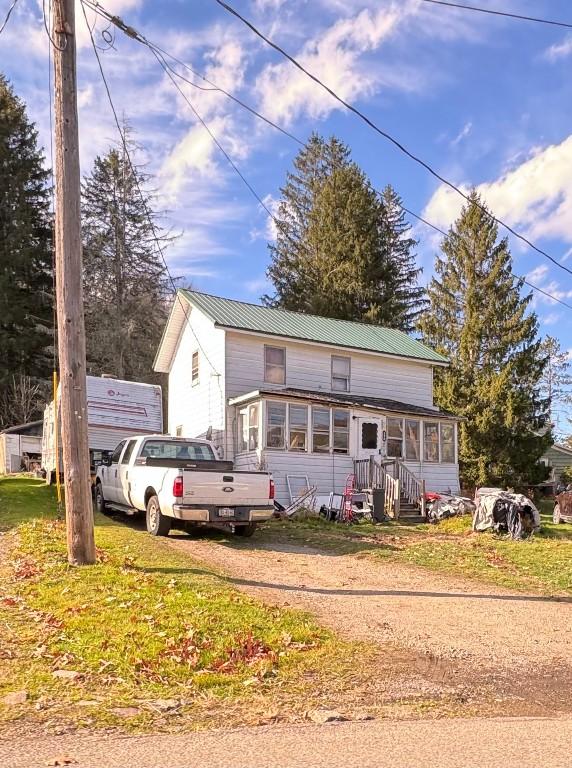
column 456, row 628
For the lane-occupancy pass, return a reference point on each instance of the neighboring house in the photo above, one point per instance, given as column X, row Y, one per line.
column 557, row 457
column 301, row 395
column 19, row 445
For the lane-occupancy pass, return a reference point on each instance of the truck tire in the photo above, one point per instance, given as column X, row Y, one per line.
column 245, row 530
column 556, row 516
column 157, row 523
column 100, row 505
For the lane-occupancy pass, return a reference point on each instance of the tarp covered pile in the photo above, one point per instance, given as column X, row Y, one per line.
column 439, row 506
column 505, row 512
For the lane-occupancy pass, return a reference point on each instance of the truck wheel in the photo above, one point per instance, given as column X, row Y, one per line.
column 245, row 530
column 556, row 516
column 100, row 505
column 157, row 523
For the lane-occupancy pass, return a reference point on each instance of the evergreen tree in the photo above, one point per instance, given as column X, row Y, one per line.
column 478, row 317
column 556, row 382
column 342, row 250
column 26, row 337
column 126, row 286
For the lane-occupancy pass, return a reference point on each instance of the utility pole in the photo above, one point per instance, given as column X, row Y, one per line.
column 69, row 292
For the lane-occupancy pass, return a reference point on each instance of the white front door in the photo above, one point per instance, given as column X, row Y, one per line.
column 371, row 436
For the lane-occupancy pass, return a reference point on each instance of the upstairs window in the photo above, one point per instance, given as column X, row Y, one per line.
column 195, row 368
column 395, row 437
column 340, row 374
column 275, row 365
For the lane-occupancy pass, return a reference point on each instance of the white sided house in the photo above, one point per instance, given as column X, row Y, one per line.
column 306, row 396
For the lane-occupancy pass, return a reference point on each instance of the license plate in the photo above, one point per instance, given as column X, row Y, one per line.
column 226, row 512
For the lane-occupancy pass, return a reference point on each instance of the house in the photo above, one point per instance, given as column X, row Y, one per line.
column 301, row 395
column 557, row 458
column 19, row 446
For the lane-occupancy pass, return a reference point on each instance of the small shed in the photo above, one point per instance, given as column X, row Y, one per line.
column 20, row 447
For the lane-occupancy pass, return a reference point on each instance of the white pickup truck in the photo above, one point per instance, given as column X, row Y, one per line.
column 180, row 483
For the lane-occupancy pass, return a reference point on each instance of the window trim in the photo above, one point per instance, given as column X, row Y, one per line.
column 298, row 428
column 391, row 439
column 346, row 431
column 419, row 423
column 329, row 411
column 195, row 379
column 438, row 459
column 348, row 378
column 283, row 349
column 451, row 442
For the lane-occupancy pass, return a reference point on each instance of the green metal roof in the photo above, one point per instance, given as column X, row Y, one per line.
column 228, row 313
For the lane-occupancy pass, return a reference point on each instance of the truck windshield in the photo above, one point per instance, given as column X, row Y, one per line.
column 180, row 449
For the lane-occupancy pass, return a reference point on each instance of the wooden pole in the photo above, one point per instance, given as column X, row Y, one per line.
column 69, row 292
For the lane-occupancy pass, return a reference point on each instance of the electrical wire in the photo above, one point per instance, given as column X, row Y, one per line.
column 159, row 55
column 388, row 136
column 492, row 12
column 7, row 17
column 47, row 28
column 182, row 304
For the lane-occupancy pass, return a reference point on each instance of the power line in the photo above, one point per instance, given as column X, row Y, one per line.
column 492, row 12
column 140, row 191
column 388, row 136
column 158, row 53
column 516, row 277
column 7, row 17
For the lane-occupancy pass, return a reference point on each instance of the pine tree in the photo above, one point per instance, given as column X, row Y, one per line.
column 556, row 382
column 478, row 317
column 126, row 286
column 342, row 250
column 26, row 337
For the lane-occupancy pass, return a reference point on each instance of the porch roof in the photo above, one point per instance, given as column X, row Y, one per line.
column 338, row 398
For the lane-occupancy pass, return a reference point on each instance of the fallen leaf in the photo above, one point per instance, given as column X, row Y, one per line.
column 62, row 760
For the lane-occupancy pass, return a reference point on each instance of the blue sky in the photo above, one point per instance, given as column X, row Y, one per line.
column 487, row 101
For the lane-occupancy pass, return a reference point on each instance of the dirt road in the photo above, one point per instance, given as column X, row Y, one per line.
column 448, row 743
column 461, row 630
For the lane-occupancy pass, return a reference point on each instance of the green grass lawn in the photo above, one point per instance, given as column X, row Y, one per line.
column 541, row 564
column 145, row 624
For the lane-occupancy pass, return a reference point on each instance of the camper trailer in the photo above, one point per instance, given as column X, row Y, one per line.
column 115, row 410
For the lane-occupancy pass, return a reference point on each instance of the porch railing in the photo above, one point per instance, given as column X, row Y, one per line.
column 411, row 487
column 369, row 473
column 391, row 496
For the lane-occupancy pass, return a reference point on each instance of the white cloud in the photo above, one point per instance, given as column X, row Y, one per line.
column 463, row 133
column 559, row 50
column 535, row 196
column 551, row 318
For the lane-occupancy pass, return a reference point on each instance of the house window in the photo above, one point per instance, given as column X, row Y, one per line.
column 341, row 422
column 243, row 430
column 369, row 433
column 412, row 452
column 298, row 428
column 179, row 431
column 195, row 368
column 395, row 437
column 447, row 443
column 253, row 412
column 275, row 365
column 340, row 374
column 275, row 425
column 431, row 441
column 321, row 430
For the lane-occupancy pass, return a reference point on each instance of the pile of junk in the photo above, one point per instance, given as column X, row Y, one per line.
column 439, row 506
column 505, row 512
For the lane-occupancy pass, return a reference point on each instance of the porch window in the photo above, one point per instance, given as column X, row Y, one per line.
column 243, row 430
column 298, row 426
column 195, row 368
column 341, row 422
column 340, row 374
column 275, row 365
column 431, row 441
column 447, row 443
column 395, row 437
column 253, row 413
column 276, row 425
column 412, row 452
column 321, row 430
